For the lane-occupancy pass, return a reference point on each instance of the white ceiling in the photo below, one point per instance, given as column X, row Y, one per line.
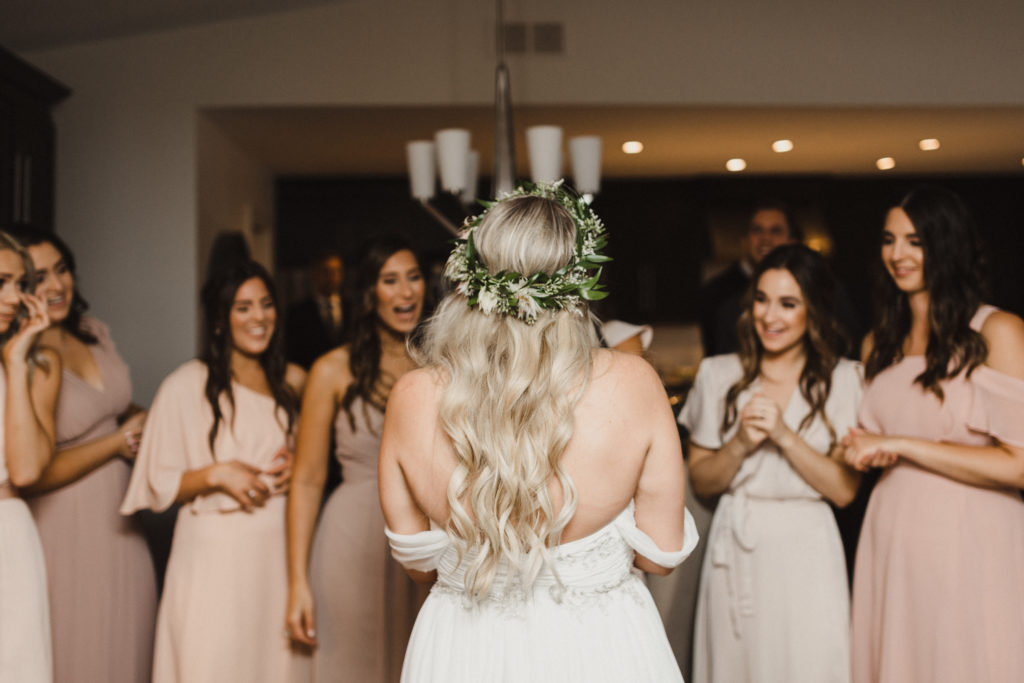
column 678, row 140
column 27, row 25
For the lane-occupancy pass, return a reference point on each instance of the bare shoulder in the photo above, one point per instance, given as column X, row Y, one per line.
column 295, row 377
column 417, row 388
column 1004, row 334
column 332, row 368
column 621, row 372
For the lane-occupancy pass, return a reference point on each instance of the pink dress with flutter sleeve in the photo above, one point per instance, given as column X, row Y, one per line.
column 938, row 591
column 221, row 615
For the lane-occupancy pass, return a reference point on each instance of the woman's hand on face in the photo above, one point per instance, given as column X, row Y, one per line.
column 242, row 482
column 765, row 415
column 131, row 430
column 35, row 322
column 863, row 450
column 281, row 470
column 299, row 622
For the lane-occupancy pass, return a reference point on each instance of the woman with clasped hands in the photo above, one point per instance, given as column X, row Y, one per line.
column 764, row 431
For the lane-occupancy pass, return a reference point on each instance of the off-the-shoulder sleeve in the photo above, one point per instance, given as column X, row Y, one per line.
column 997, row 405
column 844, row 404
column 645, row 545
column 702, row 413
column 163, row 455
column 421, row 551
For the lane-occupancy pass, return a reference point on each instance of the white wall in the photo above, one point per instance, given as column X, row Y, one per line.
column 127, row 138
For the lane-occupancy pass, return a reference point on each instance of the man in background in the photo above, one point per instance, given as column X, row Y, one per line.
column 316, row 324
column 771, row 224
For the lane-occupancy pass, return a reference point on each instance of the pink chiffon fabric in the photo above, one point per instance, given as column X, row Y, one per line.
column 366, row 604
column 938, row 591
column 221, row 616
column 101, row 579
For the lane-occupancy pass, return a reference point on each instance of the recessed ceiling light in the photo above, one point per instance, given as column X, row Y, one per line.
column 632, row 147
column 735, row 165
column 885, row 163
column 782, row 146
column 929, row 144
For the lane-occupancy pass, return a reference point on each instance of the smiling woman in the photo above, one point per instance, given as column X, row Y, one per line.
column 764, row 430
column 29, row 382
column 99, row 571
column 218, row 441
column 364, row 604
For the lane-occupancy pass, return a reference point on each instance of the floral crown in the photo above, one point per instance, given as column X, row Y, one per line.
column 524, row 296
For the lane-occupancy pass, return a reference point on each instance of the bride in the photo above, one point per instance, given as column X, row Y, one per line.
column 527, row 472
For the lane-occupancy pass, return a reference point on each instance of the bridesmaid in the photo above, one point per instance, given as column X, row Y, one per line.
column 216, row 441
column 29, row 383
column 764, row 431
column 938, row 584
column 98, row 567
column 365, row 605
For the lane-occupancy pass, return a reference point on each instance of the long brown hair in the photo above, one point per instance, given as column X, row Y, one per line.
column 954, row 274
column 365, row 349
column 823, row 341
column 218, row 295
column 74, row 323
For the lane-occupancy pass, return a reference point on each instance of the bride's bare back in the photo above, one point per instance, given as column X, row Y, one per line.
column 625, row 446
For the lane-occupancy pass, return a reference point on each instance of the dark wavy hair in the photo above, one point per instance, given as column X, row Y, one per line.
column 954, row 274
column 218, row 295
column 30, row 236
column 365, row 347
column 824, row 342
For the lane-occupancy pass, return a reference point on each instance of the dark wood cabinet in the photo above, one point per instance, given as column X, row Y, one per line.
column 27, row 142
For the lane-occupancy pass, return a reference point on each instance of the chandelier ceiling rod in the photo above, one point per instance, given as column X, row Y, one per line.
column 504, row 140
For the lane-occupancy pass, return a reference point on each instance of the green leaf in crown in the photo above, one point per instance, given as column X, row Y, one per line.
column 524, row 297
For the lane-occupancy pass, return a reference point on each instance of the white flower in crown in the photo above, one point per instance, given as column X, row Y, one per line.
column 487, row 301
column 528, row 308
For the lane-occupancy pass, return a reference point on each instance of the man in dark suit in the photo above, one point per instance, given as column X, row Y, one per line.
column 316, row 324
column 771, row 224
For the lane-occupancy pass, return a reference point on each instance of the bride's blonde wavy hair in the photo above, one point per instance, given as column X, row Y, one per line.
column 508, row 400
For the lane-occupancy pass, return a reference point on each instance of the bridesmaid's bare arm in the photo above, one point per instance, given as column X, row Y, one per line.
column 1000, row 465
column 328, row 379
column 71, row 464
column 29, row 415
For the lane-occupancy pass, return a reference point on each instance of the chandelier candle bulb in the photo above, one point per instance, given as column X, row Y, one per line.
column 544, row 145
column 585, row 155
column 452, row 152
column 422, row 168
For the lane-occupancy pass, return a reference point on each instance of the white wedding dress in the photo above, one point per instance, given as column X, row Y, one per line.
column 590, row 620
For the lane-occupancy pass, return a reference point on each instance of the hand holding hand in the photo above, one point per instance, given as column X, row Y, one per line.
column 299, row 621
column 281, row 470
column 131, row 429
column 862, row 450
column 242, row 482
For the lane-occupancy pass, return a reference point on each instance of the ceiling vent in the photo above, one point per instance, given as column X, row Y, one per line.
column 544, row 38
